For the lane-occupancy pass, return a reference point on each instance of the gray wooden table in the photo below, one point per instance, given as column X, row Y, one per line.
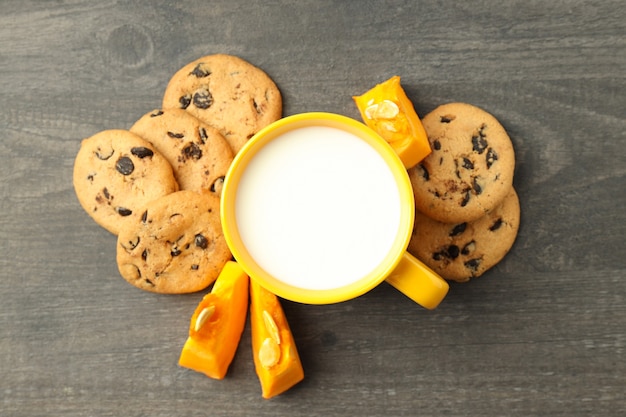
column 543, row 333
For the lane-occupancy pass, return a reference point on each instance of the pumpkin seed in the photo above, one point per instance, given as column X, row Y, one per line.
column 271, row 326
column 269, row 353
column 386, row 109
column 204, row 315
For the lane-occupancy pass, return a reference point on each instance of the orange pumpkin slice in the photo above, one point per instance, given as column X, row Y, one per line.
column 387, row 110
column 276, row 358
column 217, row 324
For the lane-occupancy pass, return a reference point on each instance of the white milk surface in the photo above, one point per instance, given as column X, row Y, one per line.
column 318, row 208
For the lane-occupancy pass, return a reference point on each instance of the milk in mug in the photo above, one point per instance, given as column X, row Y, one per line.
column 318, row 208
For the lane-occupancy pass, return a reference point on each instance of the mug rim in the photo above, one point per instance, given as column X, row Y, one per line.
column 306, row 295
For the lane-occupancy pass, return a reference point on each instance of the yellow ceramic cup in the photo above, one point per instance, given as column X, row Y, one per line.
column 319, row 209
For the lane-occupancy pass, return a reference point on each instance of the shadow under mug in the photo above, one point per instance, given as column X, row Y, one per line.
column 319, row 209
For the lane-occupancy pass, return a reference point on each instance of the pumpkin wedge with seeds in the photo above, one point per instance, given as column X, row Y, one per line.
column 276, row 358
column 387, row 110
column 217, row 324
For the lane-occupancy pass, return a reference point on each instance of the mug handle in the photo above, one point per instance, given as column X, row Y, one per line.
column 418, row 282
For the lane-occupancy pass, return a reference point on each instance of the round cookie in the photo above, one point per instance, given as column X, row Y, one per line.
column 226, row 92
column 198, row 153
column 461, row 251
column 175, row 245
column 470, row 168
column 115, row 172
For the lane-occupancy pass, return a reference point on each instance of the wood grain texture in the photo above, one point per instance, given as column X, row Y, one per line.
column 543, row 333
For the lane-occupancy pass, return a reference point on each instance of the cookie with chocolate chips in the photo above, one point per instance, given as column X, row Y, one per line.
column 228, row 93
column 461, row 251
column 198, row 153
column 115, row 172
column 470, row 169
column 174, row 245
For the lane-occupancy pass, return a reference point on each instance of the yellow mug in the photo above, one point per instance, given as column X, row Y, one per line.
column 319, row 209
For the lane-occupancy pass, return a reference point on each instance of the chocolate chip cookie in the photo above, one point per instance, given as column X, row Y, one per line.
column 461, row 251
column 115, row 172
column 470, row 169
column 174, row 245
column 228, row 93
column 198, row 153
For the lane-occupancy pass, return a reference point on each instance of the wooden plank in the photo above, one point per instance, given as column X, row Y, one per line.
column 543, row 333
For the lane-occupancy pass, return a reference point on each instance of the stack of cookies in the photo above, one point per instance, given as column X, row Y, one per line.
column 467, row 211
column 157, row 185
